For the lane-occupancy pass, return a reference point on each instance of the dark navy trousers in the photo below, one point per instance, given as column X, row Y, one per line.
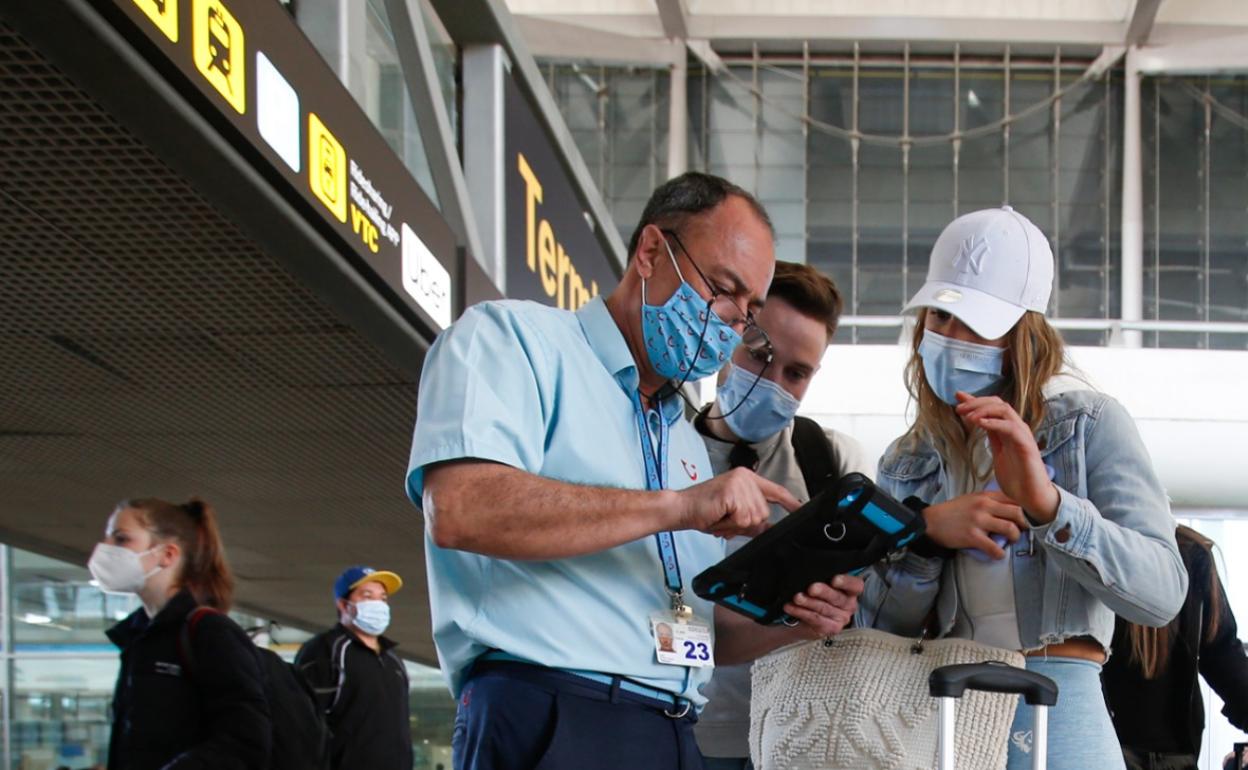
column 516, row 716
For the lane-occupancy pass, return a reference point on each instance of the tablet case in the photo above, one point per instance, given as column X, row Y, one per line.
column 845, row 529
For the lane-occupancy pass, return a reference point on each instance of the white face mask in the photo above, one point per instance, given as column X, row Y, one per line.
column 119, row 570
column 372, row 616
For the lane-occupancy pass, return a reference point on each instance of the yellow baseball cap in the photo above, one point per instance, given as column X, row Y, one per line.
column 354, row 577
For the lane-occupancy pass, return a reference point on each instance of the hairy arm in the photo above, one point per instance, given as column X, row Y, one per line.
column 501, row 511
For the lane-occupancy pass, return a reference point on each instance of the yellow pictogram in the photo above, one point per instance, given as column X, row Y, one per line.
column 164, row 14
column 220, row 54
column 327, row 167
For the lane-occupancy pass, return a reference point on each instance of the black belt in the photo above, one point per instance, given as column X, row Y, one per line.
column 612, row 689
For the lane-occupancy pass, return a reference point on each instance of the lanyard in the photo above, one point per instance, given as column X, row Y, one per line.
column 656, row 479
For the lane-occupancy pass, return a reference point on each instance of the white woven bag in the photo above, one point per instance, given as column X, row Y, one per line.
column 860, row 702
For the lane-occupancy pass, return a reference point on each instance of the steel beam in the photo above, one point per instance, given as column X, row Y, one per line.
column 675, row 19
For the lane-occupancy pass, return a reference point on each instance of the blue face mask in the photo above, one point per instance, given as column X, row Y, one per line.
column 372, row 616
column 951, row 365
column 685, row 339
column 760, row 414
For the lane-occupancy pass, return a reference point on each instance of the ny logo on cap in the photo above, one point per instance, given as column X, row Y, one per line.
column 971, row 254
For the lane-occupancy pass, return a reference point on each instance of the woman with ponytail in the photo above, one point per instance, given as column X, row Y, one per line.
column 189, row 694
column 1151, row 680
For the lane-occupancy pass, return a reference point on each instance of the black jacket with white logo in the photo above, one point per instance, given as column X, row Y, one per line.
column 167, row 717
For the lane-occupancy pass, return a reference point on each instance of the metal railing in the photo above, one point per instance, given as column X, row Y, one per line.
column 1115, row 326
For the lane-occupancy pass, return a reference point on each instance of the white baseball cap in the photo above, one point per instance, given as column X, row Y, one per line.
column 987, row 269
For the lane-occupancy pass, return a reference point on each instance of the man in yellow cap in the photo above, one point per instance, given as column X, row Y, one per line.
column 359, row 681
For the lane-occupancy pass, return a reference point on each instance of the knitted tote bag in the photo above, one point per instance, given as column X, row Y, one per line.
column 859, row 701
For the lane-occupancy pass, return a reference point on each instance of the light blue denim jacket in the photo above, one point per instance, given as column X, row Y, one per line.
column 1111, row 549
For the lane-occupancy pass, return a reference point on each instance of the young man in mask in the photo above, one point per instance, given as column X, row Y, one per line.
column 568, row 505
column 753, row 424
column 359, row 680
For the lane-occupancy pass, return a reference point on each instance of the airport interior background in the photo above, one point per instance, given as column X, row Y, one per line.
column 187, row 308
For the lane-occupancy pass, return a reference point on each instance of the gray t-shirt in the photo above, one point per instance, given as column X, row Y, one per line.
column 724, row 725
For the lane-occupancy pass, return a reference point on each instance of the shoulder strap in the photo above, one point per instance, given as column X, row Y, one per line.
column 815, row 455
column 185, row 648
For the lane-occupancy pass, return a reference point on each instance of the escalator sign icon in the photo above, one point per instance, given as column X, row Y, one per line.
column 220, row 53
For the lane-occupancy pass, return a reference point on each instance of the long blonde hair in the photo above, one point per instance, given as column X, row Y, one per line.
column 1150, row 647
column 1034, row 354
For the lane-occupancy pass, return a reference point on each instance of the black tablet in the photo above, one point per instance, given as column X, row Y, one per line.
column 845, row 529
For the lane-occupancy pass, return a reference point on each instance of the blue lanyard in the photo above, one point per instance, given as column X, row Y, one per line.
column 656, row 479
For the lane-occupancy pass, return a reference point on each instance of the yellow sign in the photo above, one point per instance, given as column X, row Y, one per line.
column 220, row 53
column 327, row 167
column 544, row 254
column 164, row 14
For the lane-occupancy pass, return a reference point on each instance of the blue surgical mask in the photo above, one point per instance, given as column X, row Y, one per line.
column 372, row 616
column 674, row 333
column 951, row 365
column 760, row 414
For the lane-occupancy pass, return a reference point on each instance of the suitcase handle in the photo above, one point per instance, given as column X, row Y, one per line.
column 952, row 681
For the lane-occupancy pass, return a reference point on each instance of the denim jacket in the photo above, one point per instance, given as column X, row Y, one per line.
column 1111, row 550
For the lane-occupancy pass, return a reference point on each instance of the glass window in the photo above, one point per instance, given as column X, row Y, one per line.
column 1195, row 162
column 356, row 40
column 62, row 669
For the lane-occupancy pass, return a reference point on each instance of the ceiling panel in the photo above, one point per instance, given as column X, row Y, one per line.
column 151, row 348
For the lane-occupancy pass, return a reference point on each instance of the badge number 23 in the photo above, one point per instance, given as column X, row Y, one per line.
column 696, row 651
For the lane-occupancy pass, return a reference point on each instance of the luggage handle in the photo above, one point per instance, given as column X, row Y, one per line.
column 953, row 681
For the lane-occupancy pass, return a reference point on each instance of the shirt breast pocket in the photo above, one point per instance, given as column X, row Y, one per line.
column 904, row 476
column 163, row 697
column 1061, row 448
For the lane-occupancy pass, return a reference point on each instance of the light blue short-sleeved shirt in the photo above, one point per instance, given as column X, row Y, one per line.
column 549, row 391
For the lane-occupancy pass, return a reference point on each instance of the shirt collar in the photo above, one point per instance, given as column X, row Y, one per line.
column 608, row 344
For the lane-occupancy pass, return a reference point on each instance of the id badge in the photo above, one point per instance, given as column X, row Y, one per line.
column 682, row 642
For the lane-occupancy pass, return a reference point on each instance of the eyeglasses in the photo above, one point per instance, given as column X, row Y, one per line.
column 753, row 338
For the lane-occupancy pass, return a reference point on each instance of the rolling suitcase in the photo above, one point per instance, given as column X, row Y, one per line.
column 948, row 683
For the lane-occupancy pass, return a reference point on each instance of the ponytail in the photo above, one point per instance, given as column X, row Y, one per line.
column 1151, row 647
column 193, row 526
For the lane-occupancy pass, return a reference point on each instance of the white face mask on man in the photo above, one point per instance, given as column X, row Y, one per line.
column 119, row 570
column 372, row 616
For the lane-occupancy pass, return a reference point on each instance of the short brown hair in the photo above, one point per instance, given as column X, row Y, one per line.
column 809, row 291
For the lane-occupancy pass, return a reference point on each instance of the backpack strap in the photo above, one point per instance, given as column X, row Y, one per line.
column 185, row 648
column 815, row 454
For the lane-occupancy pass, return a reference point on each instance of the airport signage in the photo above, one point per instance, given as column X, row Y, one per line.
column 252, row 67
column 553, row 254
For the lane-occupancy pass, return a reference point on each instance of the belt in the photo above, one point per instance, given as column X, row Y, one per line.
column 1081, row 648
column 673, row 706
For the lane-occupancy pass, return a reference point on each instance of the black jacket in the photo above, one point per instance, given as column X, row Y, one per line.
column 166, row 718
column 369, row 715
column 1166, row 714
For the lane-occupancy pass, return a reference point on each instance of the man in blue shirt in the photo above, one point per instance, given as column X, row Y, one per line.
column 568, row 503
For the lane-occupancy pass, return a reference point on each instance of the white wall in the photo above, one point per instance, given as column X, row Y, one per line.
column 1191, row 407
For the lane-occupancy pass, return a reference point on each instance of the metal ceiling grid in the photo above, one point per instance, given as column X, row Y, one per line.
column 150, row 347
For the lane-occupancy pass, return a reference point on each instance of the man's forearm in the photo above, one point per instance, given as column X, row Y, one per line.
column 500, row 511
column 740, row 640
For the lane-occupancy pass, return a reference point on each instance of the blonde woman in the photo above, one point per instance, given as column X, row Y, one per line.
column 1044, row 515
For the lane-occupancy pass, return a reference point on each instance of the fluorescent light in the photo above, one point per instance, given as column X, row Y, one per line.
column 36, row 620
column 972, row 99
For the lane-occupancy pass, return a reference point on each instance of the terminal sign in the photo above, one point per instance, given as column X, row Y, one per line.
column 553, row 254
